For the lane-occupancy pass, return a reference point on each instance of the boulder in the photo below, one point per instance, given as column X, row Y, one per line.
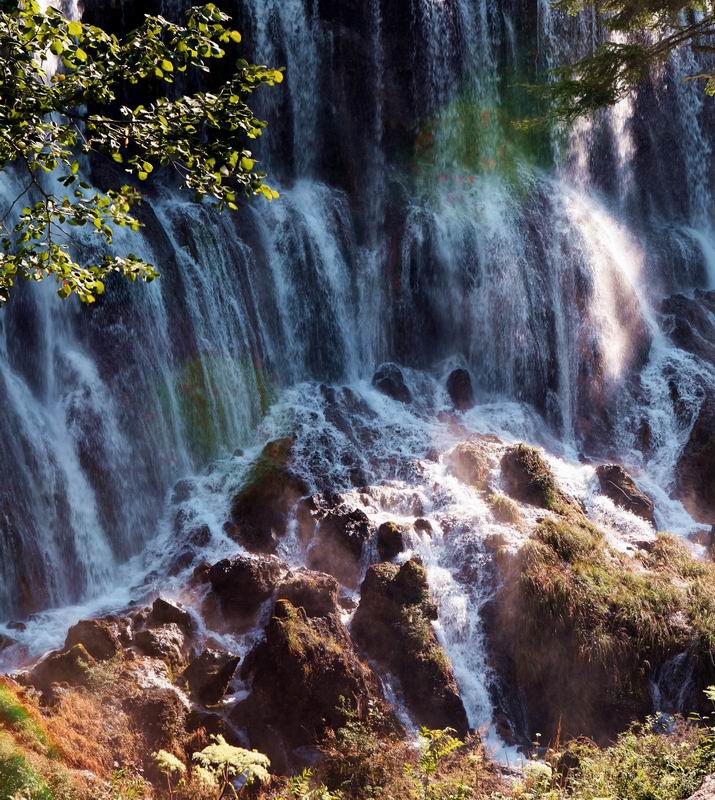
column 164, row 612
column 166, row 642
column 209, row 675
column 528, row 478
column 315, row 592
column 389, row 380
column 423, row 525
column 242, row 583
column 72, row 666
column 504, row 509
column 459, row 389
column 469, row 463
column 695, row 471
column 260, row 510
column 99, row 638
column 390, row 541
column 617, row 484
column 160, row 715
column 393, row 624
column 300, row 676
column 338, row 545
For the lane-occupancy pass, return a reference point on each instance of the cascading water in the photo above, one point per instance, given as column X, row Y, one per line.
column 415, row 223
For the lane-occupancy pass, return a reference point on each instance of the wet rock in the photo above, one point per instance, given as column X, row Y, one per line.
column 300, row 675
column 695, row 471
column 617, row 484
column 422, row 525
column 208, row 676
column 212, row 724
column 389, row 380
column 166, row 643
column 393, row 623
column 72, row 666
column 459, row 389
column 469, row 462
column 99, row 638
column 528, row 478
column 314, row 592
column 338, row 545
column 692, row 323
column 6, row 642
column 390, row 541
column 243, row 583
column 164, row 612
column 504, row 509
column 259, row 511
column 17, row 626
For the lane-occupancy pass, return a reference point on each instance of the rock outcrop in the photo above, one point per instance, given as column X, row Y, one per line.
column 242, row 583
column 695, row 471
column 316, row 593
column 617, row 484
column 208, row 676
column 528, row 478
column 470, row 463
column 300, row 676
column 98, row 637
column 337, row 547
column 389, row 380
column 390, row 541
column 259, row 511
column 393, row 624
column 459, row 389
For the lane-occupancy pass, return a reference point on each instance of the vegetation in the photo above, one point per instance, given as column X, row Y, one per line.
column 504, row 509
column 50, row 119
column 647, row 33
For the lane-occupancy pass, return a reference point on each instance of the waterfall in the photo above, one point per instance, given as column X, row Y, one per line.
column 415, row 224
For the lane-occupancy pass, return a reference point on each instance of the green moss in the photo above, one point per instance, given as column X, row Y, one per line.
column 570, row 574
column 529, row 478
column 17, row 777
column 15, row 717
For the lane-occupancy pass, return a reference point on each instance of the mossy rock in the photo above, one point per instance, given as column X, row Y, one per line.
column 504, row 509
column 19, row 719
column 528, row 478
column 260, row 510
column 586, row 628
column 390, row 541
column 393, row 624
column 299, row 675
column 469, row 462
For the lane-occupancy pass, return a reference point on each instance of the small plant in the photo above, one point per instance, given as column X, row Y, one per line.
column 171, row 767
column 301, row 787
column 435, row 746
column 223, row 765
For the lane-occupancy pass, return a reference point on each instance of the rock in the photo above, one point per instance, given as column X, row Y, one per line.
column 390, row 541
column 617, row 484
column 98, row 637
column 692, row 323
column 338, row 544
column 259, row 511
column 17, row 626
column 469, row 463
column 212, row 724
column 393, row 623
column 300, row 675
column 160, row 714
column 528, row 478
column 6, row 642
column 459, row 389
column 243, row 583
column 422, row 525
column 695, row 471
column 166, row 642
column 209, row 675
column 389, row 380
column 72, row 666
column 706, row 791
column 315, row 592
column 164, row 612
column 504, row 509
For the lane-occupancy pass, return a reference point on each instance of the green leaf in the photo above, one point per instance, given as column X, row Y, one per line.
column 74, row 28
column 80, row 55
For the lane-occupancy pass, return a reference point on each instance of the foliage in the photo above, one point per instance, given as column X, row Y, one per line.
column 504, row 508
column 171, row 767
column 48, row 119
column 301, row 787
column 226, row 764
column 647, row 33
